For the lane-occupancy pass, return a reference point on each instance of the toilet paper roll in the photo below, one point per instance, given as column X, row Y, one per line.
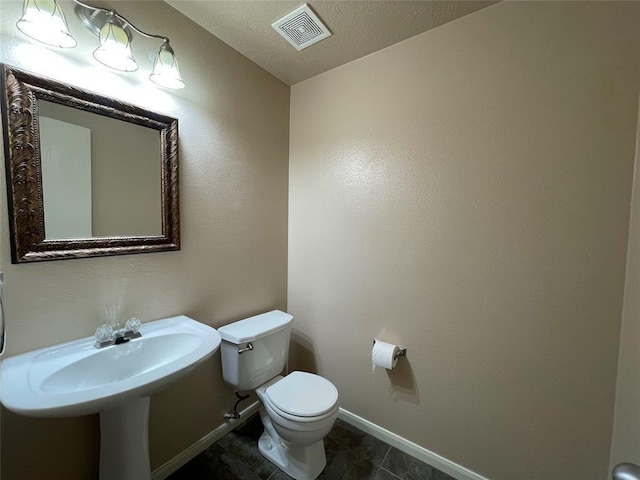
column 384, row 355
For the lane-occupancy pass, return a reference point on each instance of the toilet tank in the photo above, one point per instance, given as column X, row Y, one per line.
column 268, row 334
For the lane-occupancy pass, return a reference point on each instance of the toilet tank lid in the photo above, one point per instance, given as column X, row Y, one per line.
column 252, row 328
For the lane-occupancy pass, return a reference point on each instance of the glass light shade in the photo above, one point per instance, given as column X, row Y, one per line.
column 166, row 71
column 115, row 50
column 44, row 21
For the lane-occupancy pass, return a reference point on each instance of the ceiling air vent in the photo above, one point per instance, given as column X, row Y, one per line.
column 301, row 28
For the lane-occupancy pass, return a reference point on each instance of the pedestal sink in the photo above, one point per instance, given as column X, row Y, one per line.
column 75, row 378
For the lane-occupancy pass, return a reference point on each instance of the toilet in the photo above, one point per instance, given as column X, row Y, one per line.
column 298, row 410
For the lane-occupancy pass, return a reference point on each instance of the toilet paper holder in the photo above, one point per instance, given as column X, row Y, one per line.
column 402, row 351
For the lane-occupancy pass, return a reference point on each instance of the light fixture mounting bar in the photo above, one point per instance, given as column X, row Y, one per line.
column 94, row 18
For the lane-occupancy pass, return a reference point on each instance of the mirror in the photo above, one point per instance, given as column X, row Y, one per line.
column 86, row 175
column 94, row 186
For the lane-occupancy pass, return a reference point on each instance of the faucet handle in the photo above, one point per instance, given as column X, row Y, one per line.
column 133, row 325
column 132, row 328
column 104, row 333
column 104, row 336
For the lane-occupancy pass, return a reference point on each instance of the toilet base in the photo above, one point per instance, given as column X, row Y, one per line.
column 301, row 463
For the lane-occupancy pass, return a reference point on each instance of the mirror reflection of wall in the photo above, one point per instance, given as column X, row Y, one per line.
column 65, row 154
column 114, row 192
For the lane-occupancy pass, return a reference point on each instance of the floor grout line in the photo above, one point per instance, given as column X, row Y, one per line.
column 385, row 457
column 394, row 475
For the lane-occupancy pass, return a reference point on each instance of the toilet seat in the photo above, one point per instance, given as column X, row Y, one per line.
column 302, row 397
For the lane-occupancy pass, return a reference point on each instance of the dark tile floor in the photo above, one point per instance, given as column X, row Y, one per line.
column 351, row 454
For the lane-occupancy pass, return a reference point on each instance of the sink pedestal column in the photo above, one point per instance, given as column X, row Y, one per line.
column 124, row 441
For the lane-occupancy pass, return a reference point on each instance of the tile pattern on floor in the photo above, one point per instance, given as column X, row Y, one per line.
column 351, row 455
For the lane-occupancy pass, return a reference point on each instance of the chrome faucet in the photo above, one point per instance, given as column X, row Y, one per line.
column 119, row 336
column 106, row 336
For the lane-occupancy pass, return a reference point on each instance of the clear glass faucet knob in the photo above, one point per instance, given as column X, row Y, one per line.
column 133, row 325
column 104, row 333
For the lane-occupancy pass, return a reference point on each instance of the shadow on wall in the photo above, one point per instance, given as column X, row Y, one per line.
column 403, row 382
column 37, row 435
column 301, row 353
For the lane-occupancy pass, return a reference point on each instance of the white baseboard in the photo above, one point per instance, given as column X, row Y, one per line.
column 201, row 445
column 447, row 466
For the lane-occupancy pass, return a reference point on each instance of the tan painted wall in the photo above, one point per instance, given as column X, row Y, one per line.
column 626, row 432
column 466, row 193
column 233, row 197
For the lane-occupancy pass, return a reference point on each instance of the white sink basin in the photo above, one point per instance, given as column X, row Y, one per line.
column 75, row 378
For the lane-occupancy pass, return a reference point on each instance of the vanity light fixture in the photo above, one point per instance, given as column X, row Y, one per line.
column 44, row 21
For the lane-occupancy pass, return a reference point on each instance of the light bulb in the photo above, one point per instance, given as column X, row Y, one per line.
column 44, row 21
column 115, row 50
column 166, row 71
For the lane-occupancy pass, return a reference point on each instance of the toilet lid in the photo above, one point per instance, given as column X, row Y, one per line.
column 303, row 394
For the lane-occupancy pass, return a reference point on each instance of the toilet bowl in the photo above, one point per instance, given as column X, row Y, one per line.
column 297, row 410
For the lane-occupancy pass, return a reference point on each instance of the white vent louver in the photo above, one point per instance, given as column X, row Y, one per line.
column 301, row 28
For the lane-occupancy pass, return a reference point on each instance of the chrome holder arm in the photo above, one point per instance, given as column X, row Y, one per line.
column 626, row 471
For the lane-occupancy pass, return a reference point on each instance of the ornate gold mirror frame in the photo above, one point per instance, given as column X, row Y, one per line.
column 20, row 94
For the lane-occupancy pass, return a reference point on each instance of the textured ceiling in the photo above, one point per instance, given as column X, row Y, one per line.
column 359, row 28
